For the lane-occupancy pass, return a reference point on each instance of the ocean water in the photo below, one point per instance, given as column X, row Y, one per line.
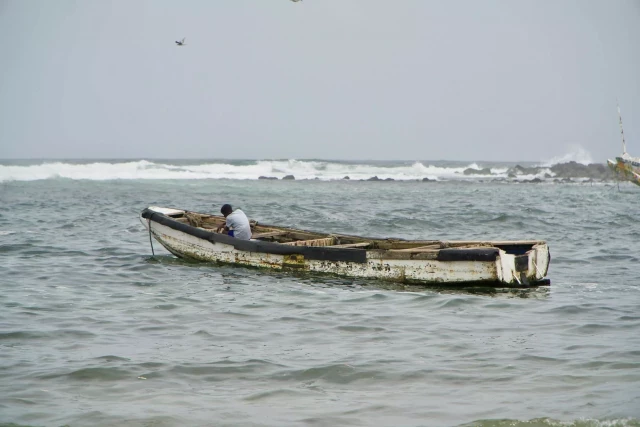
column 94, row 331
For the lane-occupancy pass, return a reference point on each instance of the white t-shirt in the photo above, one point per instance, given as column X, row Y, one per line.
column 239, row 223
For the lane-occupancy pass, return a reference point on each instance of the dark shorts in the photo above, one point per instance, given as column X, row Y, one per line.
column 230, row 233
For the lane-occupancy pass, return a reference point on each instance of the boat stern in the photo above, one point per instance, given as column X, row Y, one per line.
column 524, row 269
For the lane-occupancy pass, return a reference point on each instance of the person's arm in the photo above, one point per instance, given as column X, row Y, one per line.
column 223, row 228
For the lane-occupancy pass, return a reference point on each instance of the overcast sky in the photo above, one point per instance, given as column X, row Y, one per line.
column 332, row 79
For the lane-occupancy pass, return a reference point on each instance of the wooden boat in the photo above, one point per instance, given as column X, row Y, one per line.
column 430, row 262
column 625, row 166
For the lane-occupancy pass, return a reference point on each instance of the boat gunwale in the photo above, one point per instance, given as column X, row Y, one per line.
column 448, row 243
column 449, row 251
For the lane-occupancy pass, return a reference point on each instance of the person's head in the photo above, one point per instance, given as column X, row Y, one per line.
column 226, row 210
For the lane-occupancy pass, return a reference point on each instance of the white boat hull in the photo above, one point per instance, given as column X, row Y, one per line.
column 505, row 269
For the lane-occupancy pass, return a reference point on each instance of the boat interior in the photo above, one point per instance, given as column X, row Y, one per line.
column 295, row 237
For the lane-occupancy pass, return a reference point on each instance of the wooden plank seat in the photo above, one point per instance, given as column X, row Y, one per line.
column 432, row 247
column 327, row 241
column 353, row 245
column 269, row 234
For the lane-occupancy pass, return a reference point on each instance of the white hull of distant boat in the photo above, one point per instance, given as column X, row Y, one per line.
column 430, row 262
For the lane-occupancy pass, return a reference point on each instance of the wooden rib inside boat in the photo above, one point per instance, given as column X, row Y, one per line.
column 294, row 237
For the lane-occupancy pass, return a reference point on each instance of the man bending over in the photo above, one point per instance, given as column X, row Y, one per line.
column 237, row 223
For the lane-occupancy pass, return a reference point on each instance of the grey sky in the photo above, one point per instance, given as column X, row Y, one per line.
column 333, row 79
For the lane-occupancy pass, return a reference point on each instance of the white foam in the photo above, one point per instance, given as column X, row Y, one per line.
column 301, row 169
column 576, row 154
column 251, row 170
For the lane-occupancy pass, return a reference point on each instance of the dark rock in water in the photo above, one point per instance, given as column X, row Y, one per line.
column 289, row 177
column 521, row 170
column 389, row 179
column 471, row 171
column 427, row 180
column 346, row 177
column 565, row 170
column 374, row 178
column 535, row 180
column 578, row 170
column 267, row 177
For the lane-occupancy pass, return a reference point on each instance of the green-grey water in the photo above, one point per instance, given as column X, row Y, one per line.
column 96, row 331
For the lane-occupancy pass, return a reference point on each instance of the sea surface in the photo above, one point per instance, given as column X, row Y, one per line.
column 95, row 331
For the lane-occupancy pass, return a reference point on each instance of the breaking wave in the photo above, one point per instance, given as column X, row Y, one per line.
column 298, row 169
column 576, row 154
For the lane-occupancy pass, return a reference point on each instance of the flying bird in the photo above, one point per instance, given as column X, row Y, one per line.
column 296, row 1
column 181, row 42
